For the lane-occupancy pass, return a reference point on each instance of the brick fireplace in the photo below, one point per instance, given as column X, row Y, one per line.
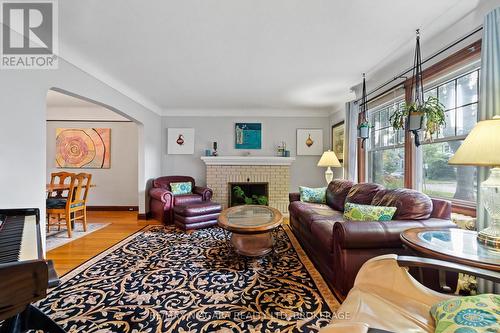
column 273, row 171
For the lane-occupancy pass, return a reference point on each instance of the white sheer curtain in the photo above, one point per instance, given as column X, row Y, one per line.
column 351, row 134
column 489, row 104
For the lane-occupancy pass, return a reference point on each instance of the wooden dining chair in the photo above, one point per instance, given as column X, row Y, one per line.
column 59, row 178
column 75, row 203
column 86, row 188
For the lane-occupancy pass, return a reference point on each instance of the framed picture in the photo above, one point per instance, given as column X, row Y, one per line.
column 181, row 141
column 248, row 136
column 83, row 148
column 309, row 141
column 338, row 140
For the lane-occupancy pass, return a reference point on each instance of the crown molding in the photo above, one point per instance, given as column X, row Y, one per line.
column 247, row 112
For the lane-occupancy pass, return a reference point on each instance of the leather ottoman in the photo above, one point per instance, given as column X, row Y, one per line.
column 197, row 216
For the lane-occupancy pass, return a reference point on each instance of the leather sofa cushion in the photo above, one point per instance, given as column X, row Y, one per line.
column 336, row 193
column 309, row 213
column 187, row 199
column 410, row 204
column 363, row 193
column 206, row 208
column 195, row 219
column 197, row 225
column 322, row 231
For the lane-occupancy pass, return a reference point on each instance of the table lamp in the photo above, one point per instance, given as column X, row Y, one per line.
column 329, row 159
column 482, row 148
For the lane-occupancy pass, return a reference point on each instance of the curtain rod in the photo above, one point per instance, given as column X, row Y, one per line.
column 402, row 75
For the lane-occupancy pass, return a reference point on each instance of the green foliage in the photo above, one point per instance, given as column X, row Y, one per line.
column 254, row 200
column 437, row 163
column 432, row 111
column 238, row 192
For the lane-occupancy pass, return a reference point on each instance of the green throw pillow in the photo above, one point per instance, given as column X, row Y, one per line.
column 313, row 195
column 181, row 188
column 355, row 212
column 470, row 314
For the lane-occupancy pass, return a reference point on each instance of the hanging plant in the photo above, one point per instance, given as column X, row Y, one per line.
column 364, row 125
column 429, row 116
column 364, row 130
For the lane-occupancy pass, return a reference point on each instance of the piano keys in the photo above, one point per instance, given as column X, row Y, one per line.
column 20, row 237
column 25, row 275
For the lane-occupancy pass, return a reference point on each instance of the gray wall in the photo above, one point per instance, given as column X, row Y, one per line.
column 116, row 186
column 221, row 129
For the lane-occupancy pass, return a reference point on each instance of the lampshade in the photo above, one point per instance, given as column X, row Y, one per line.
column 482, row 145
column 329, row 159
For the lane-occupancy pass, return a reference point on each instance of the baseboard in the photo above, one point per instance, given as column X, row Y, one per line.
column 113, row 208
column 142, row 216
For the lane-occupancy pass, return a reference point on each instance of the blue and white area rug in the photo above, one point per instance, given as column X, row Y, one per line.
column 165, row 280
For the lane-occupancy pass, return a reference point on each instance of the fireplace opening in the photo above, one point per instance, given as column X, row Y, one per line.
column 248, row 194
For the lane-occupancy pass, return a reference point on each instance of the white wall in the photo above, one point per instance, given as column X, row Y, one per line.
column 393, row 66
column 116, row 186
column 221, row 129
column 23, row 130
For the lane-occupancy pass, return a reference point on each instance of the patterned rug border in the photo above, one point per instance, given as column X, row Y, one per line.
column 320, row 283
column 322, row 286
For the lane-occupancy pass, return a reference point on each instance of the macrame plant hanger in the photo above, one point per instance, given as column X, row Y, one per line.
column 414, row 124
column 364, row 127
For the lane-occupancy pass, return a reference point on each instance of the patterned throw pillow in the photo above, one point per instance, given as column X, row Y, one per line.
column 355, row 212
column 181, row 188
column 470, row 314
column 313, row 195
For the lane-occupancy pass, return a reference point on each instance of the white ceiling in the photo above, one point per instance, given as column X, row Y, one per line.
column 248, row 54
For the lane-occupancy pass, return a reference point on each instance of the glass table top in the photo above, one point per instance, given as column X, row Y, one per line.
column 459, row 243
column 250, row 216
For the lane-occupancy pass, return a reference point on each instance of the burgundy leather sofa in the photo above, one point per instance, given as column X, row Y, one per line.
column 338, row 248
column 162, row 200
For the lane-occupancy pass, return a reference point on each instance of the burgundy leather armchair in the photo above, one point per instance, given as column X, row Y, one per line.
column 339, row 248
column 163, row 201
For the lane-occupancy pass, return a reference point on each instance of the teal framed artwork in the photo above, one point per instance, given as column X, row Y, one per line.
column 248, row 136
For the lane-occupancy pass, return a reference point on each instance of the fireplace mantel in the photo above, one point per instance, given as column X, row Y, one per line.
column 247, row 160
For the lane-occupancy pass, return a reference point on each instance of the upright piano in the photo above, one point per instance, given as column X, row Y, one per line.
column 25, row 275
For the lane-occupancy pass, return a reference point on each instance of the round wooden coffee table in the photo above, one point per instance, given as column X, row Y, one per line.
column 455, row 245
column 251, row 228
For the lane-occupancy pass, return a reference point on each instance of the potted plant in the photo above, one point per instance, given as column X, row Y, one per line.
column 364, row 130
column 429, row 116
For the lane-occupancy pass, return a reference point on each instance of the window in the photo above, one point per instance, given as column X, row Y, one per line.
column 385, row 148
column 460, row 97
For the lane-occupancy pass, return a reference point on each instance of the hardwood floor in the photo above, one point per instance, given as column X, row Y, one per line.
column 75, row 253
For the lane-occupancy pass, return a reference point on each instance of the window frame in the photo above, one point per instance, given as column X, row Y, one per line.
column 441, row 72
column 446, row 78
column 398, row 145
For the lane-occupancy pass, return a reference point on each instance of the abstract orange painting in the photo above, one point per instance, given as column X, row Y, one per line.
column 83, row 148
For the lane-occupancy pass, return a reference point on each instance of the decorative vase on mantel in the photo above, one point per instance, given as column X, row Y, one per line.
column 214, row 152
